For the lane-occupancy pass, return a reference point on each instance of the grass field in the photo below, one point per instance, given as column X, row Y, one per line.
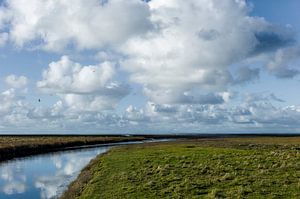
column 18, row 146
column 264, row 167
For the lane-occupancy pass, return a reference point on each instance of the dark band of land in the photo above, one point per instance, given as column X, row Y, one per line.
column 13, row 146
column 26, row 145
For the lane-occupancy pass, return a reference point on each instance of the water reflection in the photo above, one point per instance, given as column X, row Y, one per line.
column 13, row 178
column 44, row 176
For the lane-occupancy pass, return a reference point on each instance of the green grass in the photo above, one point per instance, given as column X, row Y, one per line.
column 223, row 168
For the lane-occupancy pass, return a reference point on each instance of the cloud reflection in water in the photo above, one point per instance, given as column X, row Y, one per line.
column 14, row 180
column 45, row 176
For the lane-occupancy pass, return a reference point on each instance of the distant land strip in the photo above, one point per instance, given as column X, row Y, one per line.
column 21, row 146
column 14, row 146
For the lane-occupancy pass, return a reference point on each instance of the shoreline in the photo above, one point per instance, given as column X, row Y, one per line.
column 75, row 188
column 30, row 149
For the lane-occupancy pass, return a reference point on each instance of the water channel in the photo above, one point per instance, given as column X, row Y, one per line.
column 48, row 175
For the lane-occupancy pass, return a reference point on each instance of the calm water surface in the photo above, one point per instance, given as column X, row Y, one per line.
column 44, row 176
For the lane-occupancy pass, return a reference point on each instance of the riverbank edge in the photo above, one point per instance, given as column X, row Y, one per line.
column 76, row 187
column 13, row 152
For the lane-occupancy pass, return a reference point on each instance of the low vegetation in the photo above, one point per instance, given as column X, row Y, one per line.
column 264, row 167
column 18, row 146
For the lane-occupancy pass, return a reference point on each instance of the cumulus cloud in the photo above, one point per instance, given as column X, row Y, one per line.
column 55, row 25
column 133, row 115
column 254, row 113
column 261, row 97
column 273, row 38
column 83, row 87
column 10, row 100
column 281, row 63
column 274, row 97
column 185, row 56
column 210, row 98
column 66, row 76
column 246, row 74
column 193, row 46
column 248, row 116
column 171, row 46
column 16, row 81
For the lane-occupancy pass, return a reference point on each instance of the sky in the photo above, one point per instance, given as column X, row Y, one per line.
column 158, row 66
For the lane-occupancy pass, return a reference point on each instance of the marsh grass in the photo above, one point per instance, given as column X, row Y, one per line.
column 15, row 141
column 222, row 168
column 19, row 146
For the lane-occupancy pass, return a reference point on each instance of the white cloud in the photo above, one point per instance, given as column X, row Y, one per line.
column 180, row 53
column 251, row 117
column 135, row 115
column 16, row 81
column 14, row 110
column 9, row 100
column 66, row 76
column 255, row 112
column 194, row 44
column 281, row 63
column 89, row 88
column 54, row 25
column 245, row 74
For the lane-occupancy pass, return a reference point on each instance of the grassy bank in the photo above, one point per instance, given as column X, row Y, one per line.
column 264, row 167
column 19, row 146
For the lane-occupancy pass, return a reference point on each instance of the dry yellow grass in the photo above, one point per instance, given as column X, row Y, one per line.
column 18, row 146
column 16, row 141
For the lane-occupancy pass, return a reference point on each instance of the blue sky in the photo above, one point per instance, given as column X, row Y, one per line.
column 280, row 13
column 197, row 66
